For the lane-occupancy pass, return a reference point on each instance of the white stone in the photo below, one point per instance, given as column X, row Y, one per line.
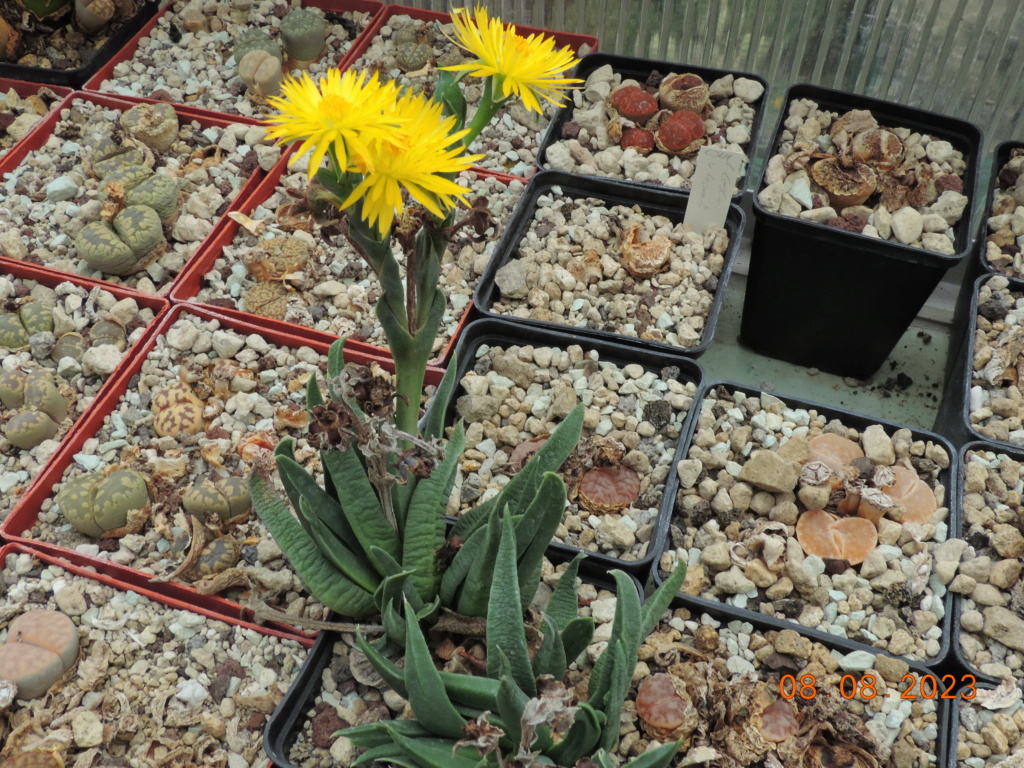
column 101, row 360
column 938, row 242
column 747, row 89
column 907, row 225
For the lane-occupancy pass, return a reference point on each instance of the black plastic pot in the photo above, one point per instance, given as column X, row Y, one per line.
column 504, row 333
column 652, row 201
column 954, row 416
column 75, row 78
column 958, row 600
column 638, row 69
column 1002, row 156
column 288, row 719
column 949, row 477
column 840, row 301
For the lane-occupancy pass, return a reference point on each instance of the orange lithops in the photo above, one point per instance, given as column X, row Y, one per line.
column 913, row 493
column 608, row 489
column 834, row 451
column 856, row 537
column 816, row 534
column 778, row 722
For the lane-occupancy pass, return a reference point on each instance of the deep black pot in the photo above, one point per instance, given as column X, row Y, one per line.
column 840, row 301
column 652, row 201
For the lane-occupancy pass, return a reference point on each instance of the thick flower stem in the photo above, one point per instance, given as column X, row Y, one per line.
column 488, row 108
column 409, row 373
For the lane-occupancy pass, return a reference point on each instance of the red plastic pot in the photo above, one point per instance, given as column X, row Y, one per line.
column 562, row 39
column 108, row 574
column 190, row 281
column 26, row 513
column 23, row 89
column 38, row 137
column 128, row 51
column 52, row 278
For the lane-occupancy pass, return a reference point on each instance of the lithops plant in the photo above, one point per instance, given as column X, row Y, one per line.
column 17, row 327
column 93, row 15
column 69, row 345
column 34, row 758
column 412, row 57
column 108, row 331
column 106, row 507
column 136, row 239
column 223, row 499
column 260, row 63
column 43, row 9
column 177, row 411
column 43, row 407
column 155, row 125
column 217, row 556
column 159, row 192
column 41, row 647
column 304, row 36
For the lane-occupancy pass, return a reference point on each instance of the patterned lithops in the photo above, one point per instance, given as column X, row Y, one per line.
column 155, row 125
column 107, row 331
column 256, row 40
column 37, row 317
column 129, row 176
column 224, row 498
column 304, row 35
column 41, row 647
column 12, row 388
column 44, row 407
column 69, row 345
column 27, row 430
column 120, row 158
column 106, row 507
column 217, row 556
column 177, row 411
column 12, row 332
column 93, row 15
column 159, row 192
column 135, row 240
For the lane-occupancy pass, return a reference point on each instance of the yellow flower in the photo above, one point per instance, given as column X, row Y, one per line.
column 529, row 67
column 414, row 163
column 344, row 111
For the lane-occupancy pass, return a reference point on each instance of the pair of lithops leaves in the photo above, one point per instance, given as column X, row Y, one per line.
column 36, row 317
column 91, row 16
column 671, row 120
column 140, row 203
column 871, row 493
column 260, row 61
column 220, row 503
column 866, row 153
column 41, row 647
column 106, row 506
column 38, row 405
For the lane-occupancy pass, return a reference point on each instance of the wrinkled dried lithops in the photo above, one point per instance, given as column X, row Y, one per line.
column 41, row 646
column 224, row 499
column 106, row 507
column 665, row 709
column 879, row 148
column 644, row 259
column 686, row 91
column 845, row 186
column 35, row 758
column 155, row 125
column 604, row 490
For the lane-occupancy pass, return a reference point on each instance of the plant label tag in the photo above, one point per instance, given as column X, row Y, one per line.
column 711, row 191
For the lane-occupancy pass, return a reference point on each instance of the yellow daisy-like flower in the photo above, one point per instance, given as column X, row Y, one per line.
column 345, row 111
column 529, row 67
column 415, row 163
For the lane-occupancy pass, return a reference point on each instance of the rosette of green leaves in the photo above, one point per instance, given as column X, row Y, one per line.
column 354, row 560
column 443, row 704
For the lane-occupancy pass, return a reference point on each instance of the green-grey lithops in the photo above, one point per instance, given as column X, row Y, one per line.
column 129, row 176
column 140, row 228
column 253, row 40
column 217, row 556
column 12, row 332
column 413, row 56
column 155, row 125
column 224, row 499
column 122, row 158
column 29, row 428
column 12, row 388
column 107, row 331
column 108, row 506
column 102, row 249
column 159, row 192
column 94, row 15
column 42, row 405
column 261, row 73
column 304, row 35
column 69, row 345
column 37, row 317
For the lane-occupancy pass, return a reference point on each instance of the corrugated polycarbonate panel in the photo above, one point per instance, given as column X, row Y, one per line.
column 964, row 59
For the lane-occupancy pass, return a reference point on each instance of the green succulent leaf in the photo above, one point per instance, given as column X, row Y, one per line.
column 336, row 354
column 325, row 582
column 581, row 738
column 511, row 703
column 475, row 591
column 375, row 734
column 564, row 605
column 424, row 521
column 535, row 531
column 659, row 601
column 437, row 753
column 453, row 578
column 286, row 448
column 427, row 695
column 523, row 486
column 300, row 484
column 468, row 691
column 351, row 563
column 360, row 505
column 313, row 396
column 622, row 674
column 506, row 632
column 550, row 657
column 433, row 423
column 392, row 674
column 625, row 629
column 576, row 637
column 448, row 92
column 659, row 757
column 386, row 753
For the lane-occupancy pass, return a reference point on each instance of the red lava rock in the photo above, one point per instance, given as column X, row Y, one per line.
column 680, row 133
column 949, row 182
column 256, row 722
column 324, row 726
column 637, row 138
column 608, row 489
column 634, row 103
column 778, row 722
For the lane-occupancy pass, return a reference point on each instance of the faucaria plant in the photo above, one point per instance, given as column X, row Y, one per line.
column 521, row 714
column 366, row 541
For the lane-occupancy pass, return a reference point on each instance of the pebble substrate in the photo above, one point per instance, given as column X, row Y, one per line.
column 198, row 690
column 790, row 190
column 510, row 142
column 592, row 152
column 75, row 310
column 893, row 601
column 198, row 68
column 569, row 268
column 339, row 290
column 989, row 574
column 517, row 393
column 990, row 733
column 1006, row 219
column 50, row 197
column 18, row 116
column 995, row 401
column 266, row 397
